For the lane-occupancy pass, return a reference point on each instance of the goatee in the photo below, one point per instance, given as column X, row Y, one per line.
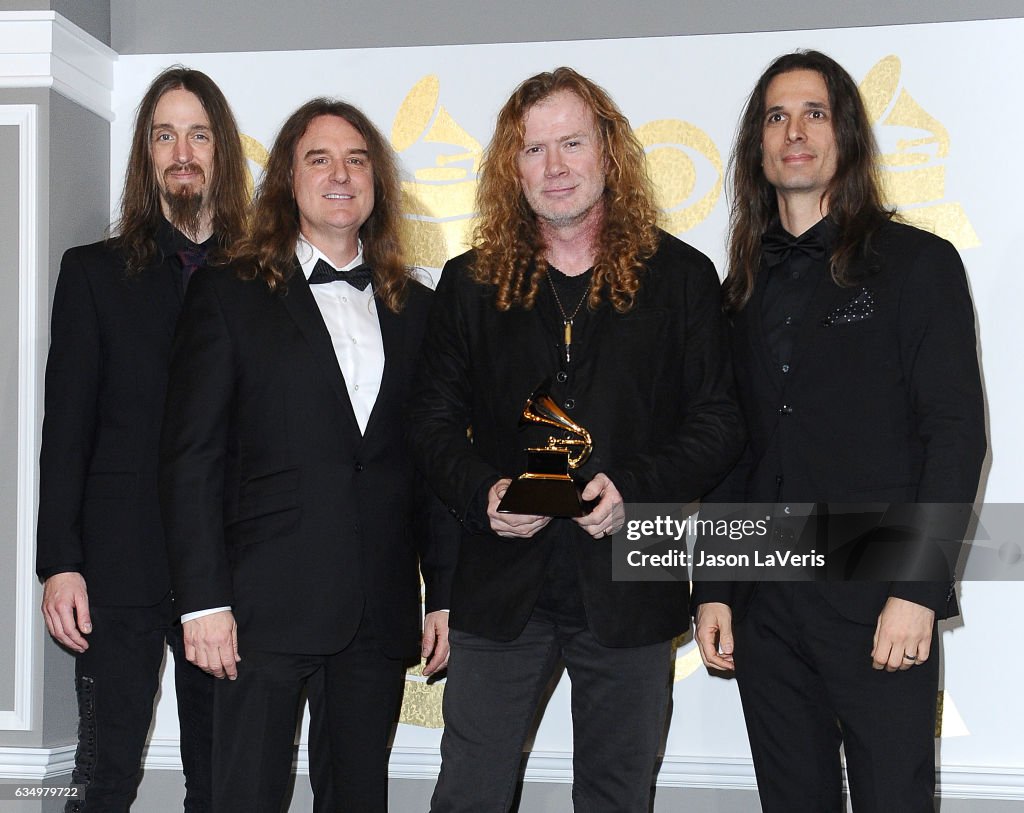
column 184, row 210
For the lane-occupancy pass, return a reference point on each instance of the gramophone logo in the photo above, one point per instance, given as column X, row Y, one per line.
column 914, row 148
column 439, row 201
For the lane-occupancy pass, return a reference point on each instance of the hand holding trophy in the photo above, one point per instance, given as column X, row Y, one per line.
column 546, row 488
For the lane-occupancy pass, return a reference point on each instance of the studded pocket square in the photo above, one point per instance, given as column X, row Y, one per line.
column 861, row 307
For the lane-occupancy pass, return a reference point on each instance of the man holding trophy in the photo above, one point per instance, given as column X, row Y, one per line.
column 575, row 344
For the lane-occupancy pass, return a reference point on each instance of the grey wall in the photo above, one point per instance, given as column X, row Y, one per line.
column 91, row 15
column 189, row 26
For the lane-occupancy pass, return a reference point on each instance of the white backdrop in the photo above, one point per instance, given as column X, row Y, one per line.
column 949, row 125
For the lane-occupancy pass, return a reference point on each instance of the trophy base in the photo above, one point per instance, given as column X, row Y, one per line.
column 543, row 495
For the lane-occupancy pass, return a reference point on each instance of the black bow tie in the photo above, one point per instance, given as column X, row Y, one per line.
column 358, row 277
column 777, row 245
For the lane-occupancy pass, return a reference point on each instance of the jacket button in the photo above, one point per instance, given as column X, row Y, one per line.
column 358, row 466
column 570, row 403
column 785, row 409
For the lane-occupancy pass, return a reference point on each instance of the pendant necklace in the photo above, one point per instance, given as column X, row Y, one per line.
column 567, row 318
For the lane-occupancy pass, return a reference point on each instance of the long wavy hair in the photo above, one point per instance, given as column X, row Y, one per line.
column 135, row 229
column 854, row 197
column 268, row 250
column 507, row 236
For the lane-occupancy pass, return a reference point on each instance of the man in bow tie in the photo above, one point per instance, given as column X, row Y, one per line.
column 854, row 349
column 295, row 519
column 100, row 546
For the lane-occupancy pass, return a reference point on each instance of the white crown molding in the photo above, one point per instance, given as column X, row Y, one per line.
column 44, row 49
column 726, row 773
column 25, row 118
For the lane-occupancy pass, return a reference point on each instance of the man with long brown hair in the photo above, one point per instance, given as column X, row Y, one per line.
column 854, row 351
column 569, row 280
column 295, row 519
column 100, row 544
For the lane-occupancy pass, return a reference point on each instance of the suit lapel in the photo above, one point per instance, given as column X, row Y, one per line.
column 392, row 331
column 302, row 308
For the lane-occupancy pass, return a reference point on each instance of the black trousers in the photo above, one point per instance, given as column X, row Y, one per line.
column 117, row 679
column 355, row 697
column 807, row 686
column 620, row 700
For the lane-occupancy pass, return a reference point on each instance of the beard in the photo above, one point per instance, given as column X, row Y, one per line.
column 185, row 207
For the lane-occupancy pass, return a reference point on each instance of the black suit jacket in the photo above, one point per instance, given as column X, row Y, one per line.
column 882, row 403
column 651, row 385
column 106, row 377
column 274, row 502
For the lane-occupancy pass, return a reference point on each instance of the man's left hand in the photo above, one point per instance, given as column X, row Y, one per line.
column 608, row 516
column 903, row 637
column 434, row 644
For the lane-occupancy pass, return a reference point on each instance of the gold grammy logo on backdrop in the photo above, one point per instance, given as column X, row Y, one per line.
column 439, row 203
column 669, row 144
column 913, row 173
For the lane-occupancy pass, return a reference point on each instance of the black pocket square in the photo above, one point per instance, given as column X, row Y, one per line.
column 861, row 307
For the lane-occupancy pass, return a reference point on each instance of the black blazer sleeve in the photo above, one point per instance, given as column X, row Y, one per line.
column 440, row 410
column 686, row 462
column 938, row 354
column 71, row 398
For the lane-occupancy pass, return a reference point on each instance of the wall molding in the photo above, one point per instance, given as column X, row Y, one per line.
column 36, row 764
column 44, row 49
column 725, row 773
column 25, row 118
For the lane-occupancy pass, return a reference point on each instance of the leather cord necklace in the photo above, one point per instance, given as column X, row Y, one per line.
column 567, row 318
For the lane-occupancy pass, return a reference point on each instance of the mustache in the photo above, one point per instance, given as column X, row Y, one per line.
column 189, row 167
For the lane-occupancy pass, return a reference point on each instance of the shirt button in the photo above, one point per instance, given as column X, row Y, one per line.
column 785, row 510
column 570, row 403
column 344, row 299
column 562, row 376
column 795, row 275
column 785, row 369
column 358, row 466
column 356, row 387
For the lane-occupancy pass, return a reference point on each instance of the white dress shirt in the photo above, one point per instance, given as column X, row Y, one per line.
column 351, row 319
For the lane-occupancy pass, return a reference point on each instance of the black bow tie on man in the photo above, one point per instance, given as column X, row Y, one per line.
column 777, row 245
column 358, row 277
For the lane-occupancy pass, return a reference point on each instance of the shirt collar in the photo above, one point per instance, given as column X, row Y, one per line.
column 308, row 254
column 170, row 241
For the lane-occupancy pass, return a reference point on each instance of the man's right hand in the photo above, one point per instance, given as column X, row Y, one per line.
column 513, row 526
column 713, row 635
column 211, row 643
column 66, row 610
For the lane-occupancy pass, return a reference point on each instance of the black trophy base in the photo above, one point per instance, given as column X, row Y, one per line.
column 544, row 496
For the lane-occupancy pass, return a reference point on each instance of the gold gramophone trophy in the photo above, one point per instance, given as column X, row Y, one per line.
column 546, row 487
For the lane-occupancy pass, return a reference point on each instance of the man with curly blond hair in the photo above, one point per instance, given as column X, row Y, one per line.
column 570, row 281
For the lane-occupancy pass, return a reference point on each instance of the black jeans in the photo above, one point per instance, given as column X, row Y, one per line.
column 620, row 700
column 117, row 679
